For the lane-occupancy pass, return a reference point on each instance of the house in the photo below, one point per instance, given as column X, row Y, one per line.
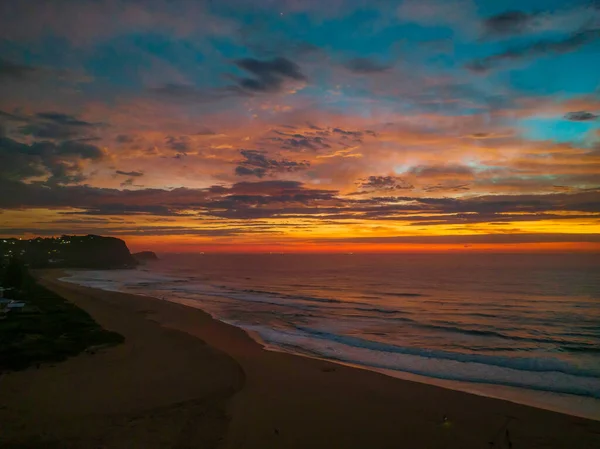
column 15, row 305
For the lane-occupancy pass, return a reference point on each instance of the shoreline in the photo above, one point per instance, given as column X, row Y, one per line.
column 570, row 404
column 264, row 399
column 588, row 407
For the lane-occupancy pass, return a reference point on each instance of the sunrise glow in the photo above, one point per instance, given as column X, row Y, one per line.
column 244, row 127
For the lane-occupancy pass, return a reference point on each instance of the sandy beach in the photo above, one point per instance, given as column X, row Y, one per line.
column 185, row 380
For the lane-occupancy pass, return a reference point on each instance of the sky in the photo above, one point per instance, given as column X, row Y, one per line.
column 303, row 125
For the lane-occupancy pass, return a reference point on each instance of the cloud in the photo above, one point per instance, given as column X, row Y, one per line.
column 437, row 12
column 274, row 198
column 40, row 75
column 63, row 119
column 581, row 116
column 12, row 71
column 384, row 183
column 536, row 49
column 442, row 171
column 181, row 144
column 508, row 23
column 205, row 132
column 129, row 173
column 563, row 20
column 125, row 138
column 269, row 75
column 446, row 187
column 257, row 163
column 60, row 163
column 366, row 66
column 55, row 125
column 477, row 238
column 88, row 21
column 346, row 133
column 300, row 141
column 187, row 93
column 242, row 170
column 216, row 200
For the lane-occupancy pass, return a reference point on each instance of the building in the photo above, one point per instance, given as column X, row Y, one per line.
column 15, row 305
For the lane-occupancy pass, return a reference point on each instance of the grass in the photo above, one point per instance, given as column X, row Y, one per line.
column 49, row 330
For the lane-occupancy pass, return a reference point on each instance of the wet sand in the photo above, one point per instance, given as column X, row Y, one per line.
column 185, row 380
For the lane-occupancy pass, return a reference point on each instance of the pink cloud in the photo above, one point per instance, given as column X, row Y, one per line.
column 83, row 21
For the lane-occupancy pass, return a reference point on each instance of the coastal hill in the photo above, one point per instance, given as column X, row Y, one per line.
column 90, row 251
column 145, row 256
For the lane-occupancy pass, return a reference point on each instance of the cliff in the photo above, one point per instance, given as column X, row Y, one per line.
column 145, row 256
column 90, row 251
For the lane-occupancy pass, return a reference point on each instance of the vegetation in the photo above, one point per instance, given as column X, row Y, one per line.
column 48, row 329
column 13, row 274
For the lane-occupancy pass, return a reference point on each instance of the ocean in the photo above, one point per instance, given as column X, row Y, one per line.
column 522, row 327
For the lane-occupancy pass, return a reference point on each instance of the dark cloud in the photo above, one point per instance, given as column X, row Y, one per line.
column 300, row 142
column 384, row 183
column 257, row 163
column 61, row 161
column 535, row 50
column 447, row 188
column 439, row 171
column 54, row 125
column 91, row 226
column 48, row 131
column 355, row 134
column 14, row 71
column 269, row 75
column 205, row 132
column 264, row 188
column 129, row 209
column 476, row 239
column 508, row 23
column 63, row 119
column 129, row 173
column 180, row 144
column 242, row 170
column 159, row 201
column 581, row 116
column 7, row 116
column 288, row 199
column 75, row 148
column 366, row 66
column 125, row 138
column 318, row 138
column 238, row 200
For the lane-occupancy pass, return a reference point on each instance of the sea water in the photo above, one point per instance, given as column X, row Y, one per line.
column 523, row 327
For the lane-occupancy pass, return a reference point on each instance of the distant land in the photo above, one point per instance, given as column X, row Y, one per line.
column 145, row 256
column 68, row 251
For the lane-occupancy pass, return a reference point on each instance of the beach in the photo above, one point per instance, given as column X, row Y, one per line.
column 185, row 380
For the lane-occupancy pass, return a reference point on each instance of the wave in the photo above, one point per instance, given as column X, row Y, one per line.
column 292, row 297
column 401, row 294
column 480, row 361
column 543, row 374
column 377, row 310
column 517, row 363
column 492, row 333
